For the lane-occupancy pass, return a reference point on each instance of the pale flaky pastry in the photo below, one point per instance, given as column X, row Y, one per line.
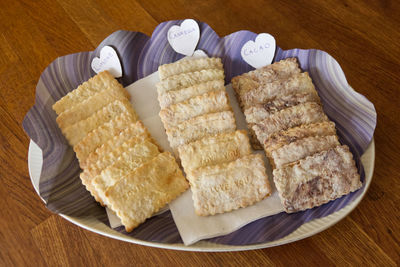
column 76, row 132
column 304, row 113
column 94, row 85
column 207, row 103
column 301, row 149
column 146, row 190
column 103, row 134
column 189, row 65
column 129, row 159
column 229, row 186
column 276, row 71
column 201, row 126
column 298, row 83
column 189, row 79
column 89, row 106
column 285, row 137
column 215, row 149
column 176, row 96
column 317, row 179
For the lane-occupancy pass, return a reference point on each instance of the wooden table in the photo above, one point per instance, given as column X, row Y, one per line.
column 363, row 37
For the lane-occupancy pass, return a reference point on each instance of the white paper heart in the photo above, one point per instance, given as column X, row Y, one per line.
column 108, row 61
column 184, row 38
column 261, row 52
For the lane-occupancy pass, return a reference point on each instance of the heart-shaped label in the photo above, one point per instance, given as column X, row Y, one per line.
column 108, row 61
column 184, row 38
column 259, row 53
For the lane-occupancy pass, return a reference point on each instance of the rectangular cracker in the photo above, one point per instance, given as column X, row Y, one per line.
column 260, row 112
column 213, row 150
column 95, row 168
column 298, row 83
column 136, row 129
column 229, row 186
column 146, row 190
column 105, row 132
column 79, row 130
column 87, row 182
column 96, row 84
column 86, row 108
column 305, row 113
column 282, row 138
column 188, row 65
column 189, row 79
column 317, row 179
column 276, row 71
column 129, row 159
column 176, row 96
column 201, row 126
column 208, row 103
column 301, row 149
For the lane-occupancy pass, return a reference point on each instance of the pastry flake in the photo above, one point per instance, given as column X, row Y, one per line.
column 201, row 126
column 213, row 150
column 176, row 96
column 189, row 79
column 208, row 103
column 188, row 65
column 229, row 186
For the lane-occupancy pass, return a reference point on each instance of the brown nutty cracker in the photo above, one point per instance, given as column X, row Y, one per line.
column 302, row 148
column 286, row 137
column 305, row 113
column 317, row 179
column 270, row 73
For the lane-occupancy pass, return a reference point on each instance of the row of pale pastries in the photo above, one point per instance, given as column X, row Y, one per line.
column 124, row 169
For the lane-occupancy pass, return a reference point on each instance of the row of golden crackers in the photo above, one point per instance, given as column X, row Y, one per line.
column 123, row 167
column 285, row 116
column 223, row 173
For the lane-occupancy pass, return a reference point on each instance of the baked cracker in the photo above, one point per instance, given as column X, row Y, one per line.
column 188, row 65
column 317, row 179
column 229, row 186
column 146, row 190
column 96, row 84
column 304, row 113
column 208, row 103
column 213, row 150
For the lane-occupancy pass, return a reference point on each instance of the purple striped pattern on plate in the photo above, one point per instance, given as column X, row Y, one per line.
column 60, row 186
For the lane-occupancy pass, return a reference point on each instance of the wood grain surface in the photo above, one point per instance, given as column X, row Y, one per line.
column 362, row 35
